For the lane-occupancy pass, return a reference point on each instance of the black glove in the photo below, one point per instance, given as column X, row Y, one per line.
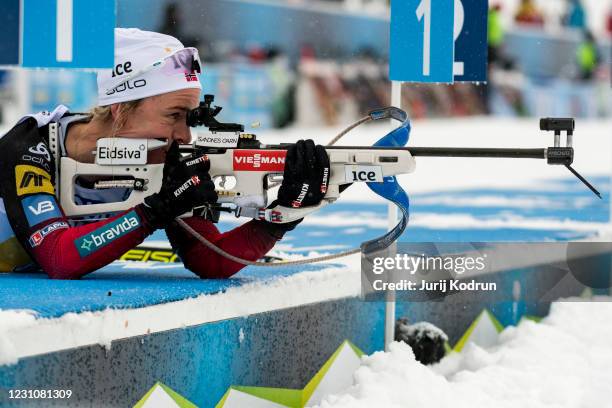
column 306, row 175
column 186, row 184
column 305, row 181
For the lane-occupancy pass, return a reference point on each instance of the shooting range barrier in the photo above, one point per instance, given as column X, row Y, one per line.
column 152, row 332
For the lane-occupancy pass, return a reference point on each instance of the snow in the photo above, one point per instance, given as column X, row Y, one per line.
column 21, row 331
column 563, row 361
column 12, row 320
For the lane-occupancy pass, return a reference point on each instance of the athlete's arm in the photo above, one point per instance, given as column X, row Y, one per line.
column 39, row 224
column 28, row 190
column 250, row 241
column 71, row 252
column 306, row 169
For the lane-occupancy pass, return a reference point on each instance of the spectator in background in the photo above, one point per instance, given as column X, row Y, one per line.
column 609, row 23
column 576, row 15
column 528, row 13
column 495, row 38
column 587, row 57
column 495, row 33
column 496, row 56
column 172, row 25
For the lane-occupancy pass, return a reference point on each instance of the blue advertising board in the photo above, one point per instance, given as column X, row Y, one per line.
column 9, row 32
column 471, row 43
column 438, row 40
column 68, row 33
column 422, row 40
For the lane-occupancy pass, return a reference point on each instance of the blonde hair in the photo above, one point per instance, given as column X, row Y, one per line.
column 104, row 114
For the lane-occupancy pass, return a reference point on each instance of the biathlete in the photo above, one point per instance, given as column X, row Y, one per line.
column 139, row 98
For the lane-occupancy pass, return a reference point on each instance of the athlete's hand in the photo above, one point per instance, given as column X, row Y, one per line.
column 186, row 184
column 306, row 175
column 305, row 182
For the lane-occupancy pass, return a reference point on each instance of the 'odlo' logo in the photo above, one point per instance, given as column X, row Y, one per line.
column 139, row 83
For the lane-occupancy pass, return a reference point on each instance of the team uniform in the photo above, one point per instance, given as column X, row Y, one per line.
column 35, row 234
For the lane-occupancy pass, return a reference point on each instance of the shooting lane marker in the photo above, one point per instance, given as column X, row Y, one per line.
column 63, row 52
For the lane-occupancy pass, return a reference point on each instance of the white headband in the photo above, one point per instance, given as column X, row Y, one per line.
column 147, row 64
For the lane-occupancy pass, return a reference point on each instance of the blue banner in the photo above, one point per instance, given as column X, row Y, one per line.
column 471, row 44
column 422, row 47
column 68, row 33
column 9, row 32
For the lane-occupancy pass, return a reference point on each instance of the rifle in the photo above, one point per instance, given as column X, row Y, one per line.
column 244, row 169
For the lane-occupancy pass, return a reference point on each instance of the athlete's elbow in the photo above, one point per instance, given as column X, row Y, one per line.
column 63, row 272
column 211, row 269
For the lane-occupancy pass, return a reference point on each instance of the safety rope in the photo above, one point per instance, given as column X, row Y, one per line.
column 233, row 258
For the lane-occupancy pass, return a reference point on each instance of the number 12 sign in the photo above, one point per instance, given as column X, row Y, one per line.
column 425, row 35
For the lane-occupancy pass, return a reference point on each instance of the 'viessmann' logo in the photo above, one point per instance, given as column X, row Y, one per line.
column 252, row 160
column 103, row 236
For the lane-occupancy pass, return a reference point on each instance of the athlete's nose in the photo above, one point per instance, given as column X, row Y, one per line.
column 182, row 134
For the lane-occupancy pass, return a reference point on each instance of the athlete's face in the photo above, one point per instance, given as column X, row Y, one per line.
column 162, row 117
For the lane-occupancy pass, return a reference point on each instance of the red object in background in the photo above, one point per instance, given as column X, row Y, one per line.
column 534, row 20
column 609, row 25
column 529, row 14
column 307, row 52
column 257, row 54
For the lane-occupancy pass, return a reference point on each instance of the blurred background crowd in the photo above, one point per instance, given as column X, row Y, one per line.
column 325, row 62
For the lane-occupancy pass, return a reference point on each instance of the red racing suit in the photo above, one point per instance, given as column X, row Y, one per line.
column 41, row 234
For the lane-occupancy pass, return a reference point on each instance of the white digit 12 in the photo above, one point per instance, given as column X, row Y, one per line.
column 424, row 11
column 459, row 20
column 63, row 38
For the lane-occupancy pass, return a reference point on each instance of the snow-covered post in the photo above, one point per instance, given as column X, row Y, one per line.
column 396, row 100
column 452, row 49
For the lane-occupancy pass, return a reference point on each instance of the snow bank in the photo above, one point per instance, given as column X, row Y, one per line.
column 21, row 331
column 12, row 320
column 564, row 361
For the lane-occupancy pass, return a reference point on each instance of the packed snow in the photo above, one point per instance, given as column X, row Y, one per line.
column 563, row 361
column 20, row 330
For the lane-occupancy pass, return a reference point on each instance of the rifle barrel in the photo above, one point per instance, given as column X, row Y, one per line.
column 461, row 151
column 478, row 152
